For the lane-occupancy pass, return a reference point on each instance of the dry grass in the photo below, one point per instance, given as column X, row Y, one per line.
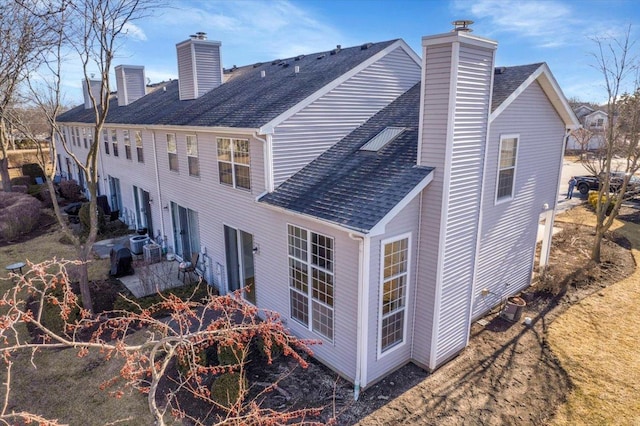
column 597, row 344
column 42, row 248
column 61, row 385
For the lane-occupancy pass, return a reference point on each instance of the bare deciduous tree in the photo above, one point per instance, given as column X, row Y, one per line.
column 149, row 341
column 620, row 152
column 23, row 37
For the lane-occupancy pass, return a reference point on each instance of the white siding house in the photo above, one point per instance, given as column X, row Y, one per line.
column 366, row 194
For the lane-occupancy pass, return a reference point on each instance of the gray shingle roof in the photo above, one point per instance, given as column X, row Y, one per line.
column 355, row 188
column 246, row 100
column 506, row 82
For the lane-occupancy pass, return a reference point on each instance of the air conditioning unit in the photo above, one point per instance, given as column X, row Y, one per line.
column 152, row 253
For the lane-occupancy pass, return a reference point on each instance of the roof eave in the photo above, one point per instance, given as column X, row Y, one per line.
column 551, row 88
column 380, row 227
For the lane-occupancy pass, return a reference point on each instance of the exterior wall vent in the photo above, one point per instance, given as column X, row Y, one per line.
column 131, row 83
column 96, row 86
column 199, row 66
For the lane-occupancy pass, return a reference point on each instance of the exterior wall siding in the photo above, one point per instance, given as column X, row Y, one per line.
column 405, row 222
column 308, row 133
column 509, row 229
column 475, row 72
column 437, row 66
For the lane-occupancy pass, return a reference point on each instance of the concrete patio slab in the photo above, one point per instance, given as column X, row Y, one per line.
column 155, row 277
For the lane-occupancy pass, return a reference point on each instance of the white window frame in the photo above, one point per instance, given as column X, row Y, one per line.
column 173, row 152
column 114, row 142
column 77, row 136
column 127, row 144
column 406, row 236
column 105, row 139
column 309, row 294
column 191, row 155
column 511, row 196
column 233, row 163
column 139, row 147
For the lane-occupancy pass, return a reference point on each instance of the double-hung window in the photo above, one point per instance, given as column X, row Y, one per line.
column 78, row 136
column 105, row 138
column 114, row 141
column 127, row 144
column 233, row 162
column 73, row 136
column 138, row 136
column 90, row 136
column 393, row 293
column 192, row 155
column 507, row 167
column 311, row 281
column 172, row 151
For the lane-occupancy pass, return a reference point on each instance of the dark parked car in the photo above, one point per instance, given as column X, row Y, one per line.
column 584, row 184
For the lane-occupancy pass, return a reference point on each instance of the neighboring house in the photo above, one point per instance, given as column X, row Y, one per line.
column 593, row 122
column 380, row 202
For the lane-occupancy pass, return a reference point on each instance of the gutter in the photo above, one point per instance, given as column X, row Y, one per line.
column 160, row 207
column 268, row 161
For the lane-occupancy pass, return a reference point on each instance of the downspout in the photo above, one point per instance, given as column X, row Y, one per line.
column 268, row 159
column 155, row 164
column 362, row 324
column 417, row 274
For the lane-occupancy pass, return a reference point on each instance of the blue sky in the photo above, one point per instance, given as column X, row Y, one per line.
column 554, row 31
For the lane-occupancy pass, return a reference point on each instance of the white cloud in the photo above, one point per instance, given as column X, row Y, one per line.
column 134, row 31
column 546, row 23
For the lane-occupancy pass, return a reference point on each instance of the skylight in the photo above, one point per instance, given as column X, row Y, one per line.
column 380, row 140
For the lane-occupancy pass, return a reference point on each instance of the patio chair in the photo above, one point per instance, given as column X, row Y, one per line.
column 188, row 267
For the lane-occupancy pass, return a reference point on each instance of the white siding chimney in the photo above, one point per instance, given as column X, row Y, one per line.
column 131, row 83
column 457, row 82
column 95, row 85
column 199, row 66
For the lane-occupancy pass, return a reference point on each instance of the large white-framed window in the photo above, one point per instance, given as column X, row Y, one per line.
column 84, row 137
column 78, row 136
column 105, row 139
column 127, row 144
column 139, row 152
column 395, row 265
column 72, row 132
column 507, row 167
column 233, row 162
column 114, row 141
column 172, row 151
column 311, row 279
column 192, row 155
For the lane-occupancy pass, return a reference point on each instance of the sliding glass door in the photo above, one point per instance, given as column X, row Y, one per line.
column 240, row 270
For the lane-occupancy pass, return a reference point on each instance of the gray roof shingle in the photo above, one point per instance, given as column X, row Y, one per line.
column 246, row 100
column 355, row 188
column 506, row 82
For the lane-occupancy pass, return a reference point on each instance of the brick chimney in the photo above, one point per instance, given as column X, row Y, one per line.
column 199, row 66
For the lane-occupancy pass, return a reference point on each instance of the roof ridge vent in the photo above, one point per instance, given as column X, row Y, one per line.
column 297, row 58
column 462, row 25
column 500, row 70
column 366, row 46
column 336, row 50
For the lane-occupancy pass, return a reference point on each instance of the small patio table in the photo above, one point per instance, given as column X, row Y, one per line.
column 14, row 267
